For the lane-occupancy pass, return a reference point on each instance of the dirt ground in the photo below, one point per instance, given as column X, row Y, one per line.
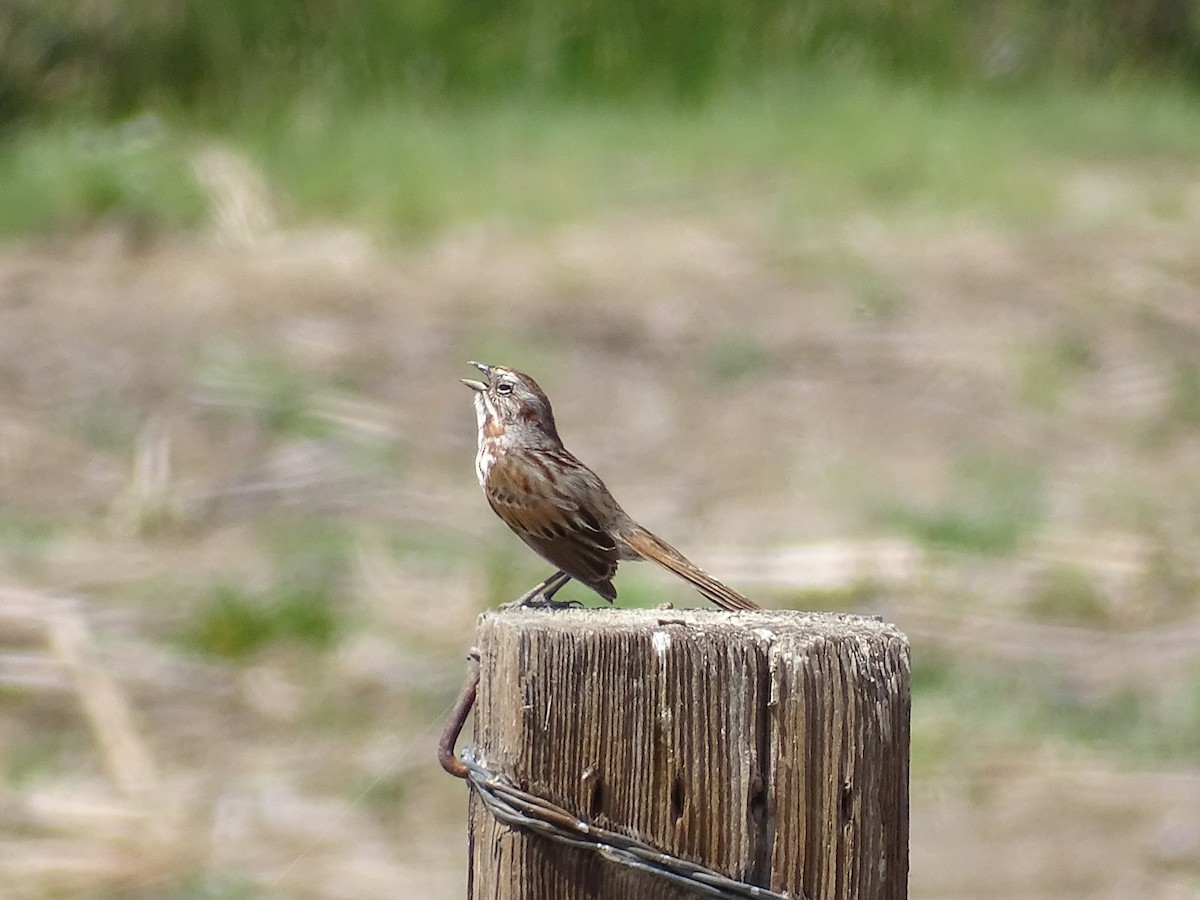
column 985, row 435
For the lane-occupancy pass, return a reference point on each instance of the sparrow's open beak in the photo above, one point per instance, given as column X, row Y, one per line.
column 478, row 385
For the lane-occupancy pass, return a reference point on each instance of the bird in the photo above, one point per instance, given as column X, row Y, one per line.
column 556, row 504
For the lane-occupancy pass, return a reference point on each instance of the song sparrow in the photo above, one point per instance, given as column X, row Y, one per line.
column 556, row 504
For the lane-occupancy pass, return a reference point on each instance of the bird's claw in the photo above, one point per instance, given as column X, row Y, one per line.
column 541, row 601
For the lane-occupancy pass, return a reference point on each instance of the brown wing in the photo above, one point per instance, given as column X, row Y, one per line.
column 546, row 515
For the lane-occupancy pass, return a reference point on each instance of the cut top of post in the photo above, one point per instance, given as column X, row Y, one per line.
column 771, row 746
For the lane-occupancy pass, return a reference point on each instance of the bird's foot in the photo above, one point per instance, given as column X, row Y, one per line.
column 544, row 602
column 542, row 595
column 541, row 601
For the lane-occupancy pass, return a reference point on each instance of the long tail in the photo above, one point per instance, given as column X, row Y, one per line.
column 650, row 546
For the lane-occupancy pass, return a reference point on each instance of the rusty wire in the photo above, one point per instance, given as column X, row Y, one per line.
column 458, row 718
column 518, row 808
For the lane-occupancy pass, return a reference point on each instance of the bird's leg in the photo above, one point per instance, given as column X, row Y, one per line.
column 552, row 585
column 542, row 595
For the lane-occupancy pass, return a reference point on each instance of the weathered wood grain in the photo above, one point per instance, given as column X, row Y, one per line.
column 771, row 746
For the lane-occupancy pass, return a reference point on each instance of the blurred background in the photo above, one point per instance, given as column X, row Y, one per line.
column 872, row 306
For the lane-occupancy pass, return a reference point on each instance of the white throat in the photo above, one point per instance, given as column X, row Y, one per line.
column 483, row 457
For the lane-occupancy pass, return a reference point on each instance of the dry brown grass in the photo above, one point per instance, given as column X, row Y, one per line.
column 180, row 416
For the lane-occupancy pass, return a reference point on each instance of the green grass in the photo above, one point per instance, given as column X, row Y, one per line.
column 26, row 541
column 1067, row 595
column 210, row 57
column 1053, row 366
column 54, row 741
column 77, row 173
column 993, row 503
column 234, row 623
column 959, row 706
column 302, row 605
column 795, row 152
column 265, row 388
column 736, row 355
column 309, row 551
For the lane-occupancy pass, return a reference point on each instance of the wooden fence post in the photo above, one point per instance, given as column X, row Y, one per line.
column 770, row 746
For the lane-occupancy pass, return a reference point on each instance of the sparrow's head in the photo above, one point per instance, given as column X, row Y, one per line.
column 509, row 404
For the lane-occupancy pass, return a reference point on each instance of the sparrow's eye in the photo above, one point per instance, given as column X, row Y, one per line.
column 504, row 388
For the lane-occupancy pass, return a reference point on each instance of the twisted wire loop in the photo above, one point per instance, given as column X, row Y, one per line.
column 521, row 809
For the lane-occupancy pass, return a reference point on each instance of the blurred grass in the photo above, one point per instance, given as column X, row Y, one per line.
column 1065, row 594
column 799, row 150
column 266, row 389
column 77, row 171
column 1056, row 364
column 964, row 705
column 412, row 118
column 993, row 503
column 235, row 624
column 805, row 149
column 303, row 602
column 217, row 57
